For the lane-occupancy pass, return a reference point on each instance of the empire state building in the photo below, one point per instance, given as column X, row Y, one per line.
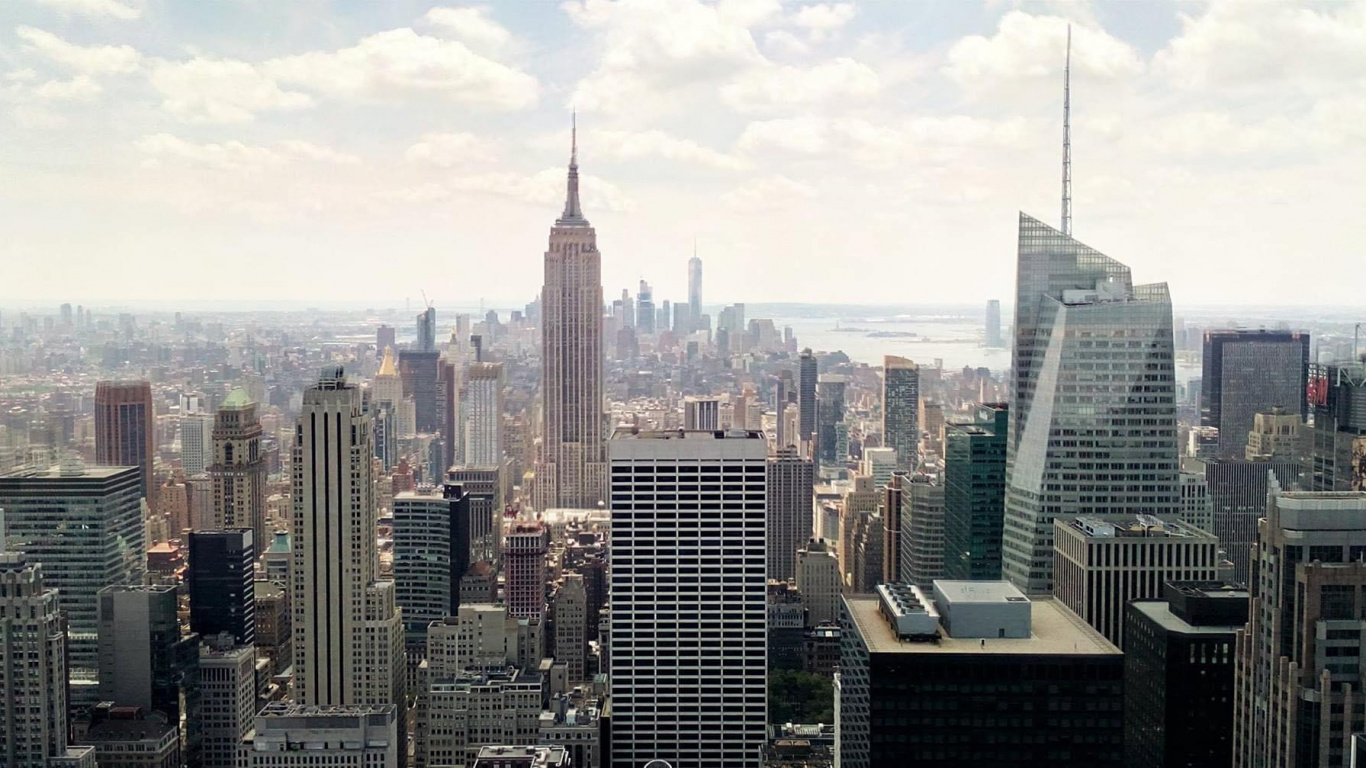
column 572, row 467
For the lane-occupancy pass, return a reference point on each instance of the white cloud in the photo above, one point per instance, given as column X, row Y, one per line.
column 78, row 88
column 767, row 194
column 785, row 43
column 113, row 9
column 220, row 91
column 636, row 144
column 921, row 138
column 308, row 151
column 87, row 60
column 400, row 63
column 778, row 87
column 448, row 149
column 1029, row 47
column 21, row 76
column 237, row 156
column 545, row 189
column 472, row 26
column 822, row 19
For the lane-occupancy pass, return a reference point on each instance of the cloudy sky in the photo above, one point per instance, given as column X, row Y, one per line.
column 349, row 150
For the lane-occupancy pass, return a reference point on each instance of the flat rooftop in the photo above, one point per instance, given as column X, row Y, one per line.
column 1160, row 611
column 980, row 591
column 1056, row 632
column 631, row 433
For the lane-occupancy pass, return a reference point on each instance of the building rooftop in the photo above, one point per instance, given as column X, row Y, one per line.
column 1056, row 630
column 634, row 433
column 1132, row 526
column 980, row 591
column 68, row 469
column 1160, row 611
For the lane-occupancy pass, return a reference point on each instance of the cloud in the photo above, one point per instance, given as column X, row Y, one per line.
column 767, row 194
column 630, row 145
column 1028, row 47
column 923, row 138
column 220, row 91
column 86, row 60
column 780, row 87
column 94, row 8
column 472, row 26
column 447, row 149
column 545, row 189
column 237, row 156
column 822, row 19
column 307, row 151
column 400, row 62
column 78, row 88
column 785, row 43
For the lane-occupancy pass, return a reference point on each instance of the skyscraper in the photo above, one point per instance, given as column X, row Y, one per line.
column 572, row 471
column 524, row 564
column 571, row 627
column 431, row 554
column 484, row 487
column 694, row 291
column 239, row 468
column 196, row 442
column 789, row 478
column 125, row 428
column 1078, row 310
column 482, row 411
column 426, row 330
column 974, row 493
column 1337, row 452
column 688, row 629
column 993, row 333
column 901, row 409
column 227, row 687
column 221, row 584
column 420, row 374
column 348, row 645
column 1245, row 373
column 922, row 530
column 701, row 413
column 645, row 309
column 829, row 414
column 806, row 395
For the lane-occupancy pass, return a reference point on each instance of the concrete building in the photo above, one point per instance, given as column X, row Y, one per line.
column 125, row 429
column 1298, row 659
column 1106, row 561
column 701, row 413
column 786, row 625
column 687, row 663
column 818, row 579
column 975, row 676
column 476, row 708
column 274, row 628
column 922, row 531
column 227, row 697
column 196, row 442
column 220, row 581
column 879, row 464
column 1178, row 674
column 1278, row 434
column 482, row 412
column 894, row 506
column 974, row 493
column 1249, row 372
column 84, row 526
column 483, row 635
column 570, row 615
column 901, row 410
column 524, row 567
column 348, row 639
column 1337, row 441
column 1197, row 508
column 431, row 555
column 1077, row 309
column 522, row 757
column 130, row 737
column 789, row 479
column 286, row 735
column 239, row 471
column 33, row 672
column 574, row 726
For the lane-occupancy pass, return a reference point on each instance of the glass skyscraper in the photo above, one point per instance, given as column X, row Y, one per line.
column 1093, row 428
column 1245, row 373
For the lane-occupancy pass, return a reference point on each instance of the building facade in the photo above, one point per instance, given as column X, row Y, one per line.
column 789, row 479
column 901, row 409
column 286, row 735
column 974, row 493
column 125, row 429
column 221, row 582
column 1245, row 373
column 482, row 411
column 239, row 469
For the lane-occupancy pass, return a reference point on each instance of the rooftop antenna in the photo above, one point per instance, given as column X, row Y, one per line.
column 1067, row 138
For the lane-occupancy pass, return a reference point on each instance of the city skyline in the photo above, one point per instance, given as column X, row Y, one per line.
column 268, row 153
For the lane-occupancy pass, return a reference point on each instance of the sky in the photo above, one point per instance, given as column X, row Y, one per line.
column 843, row 152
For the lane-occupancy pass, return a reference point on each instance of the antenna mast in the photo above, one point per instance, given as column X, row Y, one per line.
column 1067, row 138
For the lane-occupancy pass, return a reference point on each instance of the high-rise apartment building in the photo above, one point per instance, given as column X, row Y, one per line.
column 482, row 412
column 33, row 672
column 1078, row 310
column 1337, row 450
column 974, row 493
column 688, row 623
column 221, row 582
column 922, row 530
column 901, row 409
column 694, row 293
column 1105, row 561
column 978, row 674
column 431, row 555
column 84, row 526
column 125, row 428
column 1178, row 674
column 806, row 395
column 524, row 565
column 572, row 469
column 789, row 479
column 348, row 641
column 239, row 469
column 1298, row 665
column 570, row 612
column 993, row 331
column 1249, row 372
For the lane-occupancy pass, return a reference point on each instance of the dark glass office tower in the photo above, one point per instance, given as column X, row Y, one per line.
column 901, row 409
column 1250, row 372
column 421, row 381
column 974, row 493
column 806, row 395
column 220, row 581
column 431, row 554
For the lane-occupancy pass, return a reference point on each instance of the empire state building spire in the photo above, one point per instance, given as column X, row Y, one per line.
column 573, row 214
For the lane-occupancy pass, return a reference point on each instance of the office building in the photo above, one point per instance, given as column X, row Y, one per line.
column 145, row 662
column 84, row 526
column 33, row 671
column 1105, row 561
column 701, row 413
column 419, row 372
column 1337, row 442
column 977, row 675
column 476, row 708
column 131, row 737
column 993, row 331
column 1297, row 663
column 227, row 697
column 687, row 663
column 1237, row 493
column 806, row 395
column 829, row 415
column 901, row 409
column 523, row 757
column 818, row 579
column 893, row 507
column 974, row 493
column 645, row 309
column 482, row 411
column 524, row 567
column 1197, row 508
column 789, row 479
column 1077, row 309
column 1277, row 434
column 221, row 583
column 484, row 488
column 239, row 468
column 572, row 470
column 125, row 429
column 922, row 530
column 694, row 293
column 196, row 442
column 570, row 613
column 348, row 642
column 483, row 635
column 1178, row 675
column 1249, row 372
column 287, row 735
column 385, row 339
column 426, row 330
column 879, row 464
column 431, row 555
column 274, row 625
